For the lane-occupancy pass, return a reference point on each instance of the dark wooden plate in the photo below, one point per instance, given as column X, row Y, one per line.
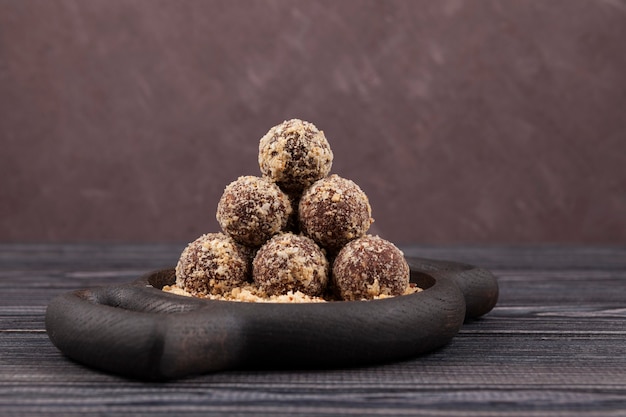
column 139, row 331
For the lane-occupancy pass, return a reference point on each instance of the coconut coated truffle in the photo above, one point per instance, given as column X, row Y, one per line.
column 213, row 264
column 295, row 154
column 334, row 211
column 368, row 267
column 253, row 209
column 289, row 262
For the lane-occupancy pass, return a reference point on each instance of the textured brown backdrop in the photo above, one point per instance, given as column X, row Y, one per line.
column 464, row 121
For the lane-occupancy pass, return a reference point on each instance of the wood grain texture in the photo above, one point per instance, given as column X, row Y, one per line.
column 553, row 346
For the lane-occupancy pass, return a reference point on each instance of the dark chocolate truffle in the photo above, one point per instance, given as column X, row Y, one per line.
column 289, row 262
column 252, row 210
column 334, row 211
column 213, row 264
column 295, row 154
column 368, row 267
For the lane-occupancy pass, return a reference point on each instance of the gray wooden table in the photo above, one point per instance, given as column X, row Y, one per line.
column 554, row 345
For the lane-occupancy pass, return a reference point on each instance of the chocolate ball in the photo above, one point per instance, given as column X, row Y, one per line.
column 252, row 210
column 295, row 154
column 213, row 264
column 334, row 211
column 368, row 267
column 289, row 262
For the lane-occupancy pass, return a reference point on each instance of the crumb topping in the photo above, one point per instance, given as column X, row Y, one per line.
column 212, row 264
column 282, row 231
column 251, row 294
column 334, row 211
column 295, row 154
column 370, row 266
column 289, row 262
column 252, row 209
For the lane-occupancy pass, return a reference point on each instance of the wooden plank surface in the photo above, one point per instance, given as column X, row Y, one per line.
column 555, row 345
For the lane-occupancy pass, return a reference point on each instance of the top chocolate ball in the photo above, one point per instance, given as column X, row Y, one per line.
column 295, row 154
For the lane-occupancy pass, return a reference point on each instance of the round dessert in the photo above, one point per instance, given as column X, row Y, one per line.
column 295, row 154
column 289, row 262
column 334, row 211
column 213, row 264
column 369, row 267
column 252, row 210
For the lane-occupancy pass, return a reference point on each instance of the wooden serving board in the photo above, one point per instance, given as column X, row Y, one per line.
column 138, row 330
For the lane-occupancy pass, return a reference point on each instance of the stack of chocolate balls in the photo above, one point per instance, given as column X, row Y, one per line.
column 294, row 228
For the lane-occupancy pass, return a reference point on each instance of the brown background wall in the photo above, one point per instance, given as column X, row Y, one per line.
column 464, row 121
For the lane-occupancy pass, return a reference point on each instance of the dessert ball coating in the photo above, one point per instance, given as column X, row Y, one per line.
column 252, row 210
column 295, row 154
column 289, row 262
column 212, row 264
column 334, row 211
column 368, row 267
